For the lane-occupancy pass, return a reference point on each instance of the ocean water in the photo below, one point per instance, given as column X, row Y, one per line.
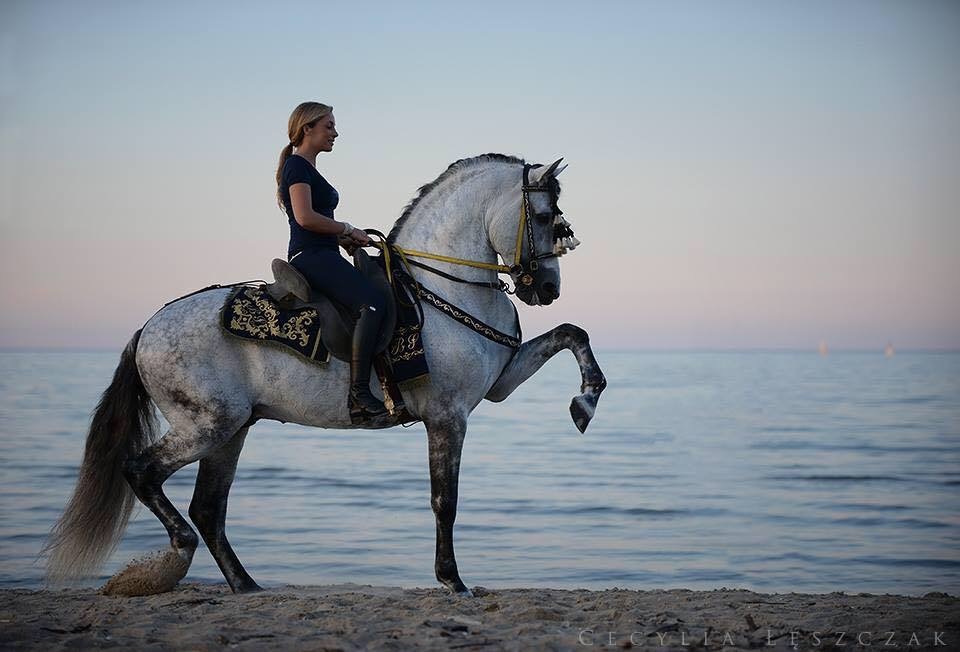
column 771, row 471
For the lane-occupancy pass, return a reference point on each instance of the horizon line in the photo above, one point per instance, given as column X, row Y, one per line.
column 610, row 349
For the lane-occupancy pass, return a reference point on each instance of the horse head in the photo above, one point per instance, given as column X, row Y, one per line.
column 536, row 224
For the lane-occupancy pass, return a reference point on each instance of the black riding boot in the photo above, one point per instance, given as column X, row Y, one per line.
column 362, row 401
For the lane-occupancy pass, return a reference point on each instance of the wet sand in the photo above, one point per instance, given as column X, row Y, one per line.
column 354, row 617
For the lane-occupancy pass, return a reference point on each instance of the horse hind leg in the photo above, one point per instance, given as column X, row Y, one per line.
column 208, row 510
column 146, row 473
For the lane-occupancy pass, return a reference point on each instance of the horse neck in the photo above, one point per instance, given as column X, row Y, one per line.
column 451, row 220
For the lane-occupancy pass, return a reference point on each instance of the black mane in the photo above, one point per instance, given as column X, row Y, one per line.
column 451, row 169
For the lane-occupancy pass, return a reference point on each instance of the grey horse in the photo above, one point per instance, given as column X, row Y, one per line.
column 211, row 387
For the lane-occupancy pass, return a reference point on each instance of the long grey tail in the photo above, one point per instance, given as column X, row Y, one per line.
column 96, row 517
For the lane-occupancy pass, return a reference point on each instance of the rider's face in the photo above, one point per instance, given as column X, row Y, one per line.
column 322, row 134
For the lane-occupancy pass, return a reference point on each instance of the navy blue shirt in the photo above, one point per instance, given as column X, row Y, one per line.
column 325, row 198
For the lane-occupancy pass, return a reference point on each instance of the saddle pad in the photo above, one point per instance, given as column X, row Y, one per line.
column 251, row 313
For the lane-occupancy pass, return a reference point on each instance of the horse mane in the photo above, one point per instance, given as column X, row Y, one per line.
column 452, row 169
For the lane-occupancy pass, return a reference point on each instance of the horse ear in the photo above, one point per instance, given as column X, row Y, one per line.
column 540, row 173
column 559, row 170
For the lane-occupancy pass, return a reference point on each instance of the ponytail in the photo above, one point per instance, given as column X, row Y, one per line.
column 284, row 155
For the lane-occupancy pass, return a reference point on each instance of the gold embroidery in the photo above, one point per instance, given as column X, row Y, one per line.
column 470, row 321
column 257, row 316
column 403, row 346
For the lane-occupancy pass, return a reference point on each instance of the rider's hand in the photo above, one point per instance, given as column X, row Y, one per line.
column 360, row 237
column 349, row 244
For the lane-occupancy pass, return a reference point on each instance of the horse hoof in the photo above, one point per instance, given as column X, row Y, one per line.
column 582, row 411
column 458, row 588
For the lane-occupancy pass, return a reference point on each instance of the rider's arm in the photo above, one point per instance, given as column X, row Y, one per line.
column 308, row 218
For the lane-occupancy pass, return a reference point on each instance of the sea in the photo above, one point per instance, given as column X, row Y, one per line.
column 775, row 471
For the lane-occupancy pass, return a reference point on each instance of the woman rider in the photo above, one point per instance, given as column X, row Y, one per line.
column 309, row 202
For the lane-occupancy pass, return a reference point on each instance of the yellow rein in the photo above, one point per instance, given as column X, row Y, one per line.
column 452, row 259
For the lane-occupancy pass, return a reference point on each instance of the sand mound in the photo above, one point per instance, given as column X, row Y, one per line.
column 149, row 575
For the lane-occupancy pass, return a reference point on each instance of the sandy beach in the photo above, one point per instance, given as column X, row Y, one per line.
column 354, row 617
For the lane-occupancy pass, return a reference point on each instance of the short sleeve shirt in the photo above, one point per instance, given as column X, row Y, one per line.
column 325, row 198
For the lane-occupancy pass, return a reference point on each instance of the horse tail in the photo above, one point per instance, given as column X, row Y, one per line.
column 96, row 517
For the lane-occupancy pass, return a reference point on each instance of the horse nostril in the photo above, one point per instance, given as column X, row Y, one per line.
column 550, row 289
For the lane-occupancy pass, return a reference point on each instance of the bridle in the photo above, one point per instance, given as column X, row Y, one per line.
column 522, row 270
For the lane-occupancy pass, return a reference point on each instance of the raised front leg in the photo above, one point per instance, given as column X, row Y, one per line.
column 534, row 353
column 445, row 442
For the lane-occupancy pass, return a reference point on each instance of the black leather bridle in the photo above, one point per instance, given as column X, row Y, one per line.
column 524, row 272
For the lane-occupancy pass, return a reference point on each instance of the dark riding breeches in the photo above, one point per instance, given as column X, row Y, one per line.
column 333, row 276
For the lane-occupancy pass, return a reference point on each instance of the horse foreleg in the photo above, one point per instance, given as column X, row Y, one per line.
column 534, row 353
column 208, row 510
column 445, row 442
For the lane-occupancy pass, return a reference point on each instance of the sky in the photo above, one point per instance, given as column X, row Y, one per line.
column 741, row 174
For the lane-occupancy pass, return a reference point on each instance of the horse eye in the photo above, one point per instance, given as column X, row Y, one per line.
column 543, row 218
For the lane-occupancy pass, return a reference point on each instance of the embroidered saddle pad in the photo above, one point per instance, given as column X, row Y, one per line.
column 252, row 314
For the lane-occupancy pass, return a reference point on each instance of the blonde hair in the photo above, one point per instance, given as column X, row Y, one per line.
column 306, row 114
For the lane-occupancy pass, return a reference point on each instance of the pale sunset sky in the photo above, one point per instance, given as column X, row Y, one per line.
column 741, row 174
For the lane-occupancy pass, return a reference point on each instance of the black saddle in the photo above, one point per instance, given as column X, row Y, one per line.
column 292, row 290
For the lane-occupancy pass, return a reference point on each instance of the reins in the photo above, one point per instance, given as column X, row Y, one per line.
column 402, row 278
column 523, row 272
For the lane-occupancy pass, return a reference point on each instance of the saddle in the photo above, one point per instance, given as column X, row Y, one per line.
column 291, row 290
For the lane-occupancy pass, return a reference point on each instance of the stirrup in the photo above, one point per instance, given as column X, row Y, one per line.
column 361, row 409
column 360, row 415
